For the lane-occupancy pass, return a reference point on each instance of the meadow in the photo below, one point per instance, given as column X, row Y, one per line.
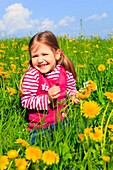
column 86, row 142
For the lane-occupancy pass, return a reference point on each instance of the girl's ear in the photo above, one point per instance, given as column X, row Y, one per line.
column 57, row 55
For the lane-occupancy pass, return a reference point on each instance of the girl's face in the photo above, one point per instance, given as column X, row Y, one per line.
column 43, row 58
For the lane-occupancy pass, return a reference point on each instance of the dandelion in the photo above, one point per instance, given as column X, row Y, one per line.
column 110, row 61
column 22, row 142
column 81, row 136
column 33, row 153
column 25, row 63
column 101, row 67
column 13, row 67
column 3, row 162
column 80, row 66
column 2, row 51
column 25, row 48
column 96, row 46
column 50, row 157
column 111, row 138
column 90, row 109
column 12, row 91
column 87, row 130
column 92, row 85
column 97, row 135
column 21, row 163
column 12, row 154
column 109, row 95
column 106, row 158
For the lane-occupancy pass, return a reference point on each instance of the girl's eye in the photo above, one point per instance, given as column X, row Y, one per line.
column 45, row 54
column 34, row 56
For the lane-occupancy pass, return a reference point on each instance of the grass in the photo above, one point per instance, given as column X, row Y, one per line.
column 76, row 149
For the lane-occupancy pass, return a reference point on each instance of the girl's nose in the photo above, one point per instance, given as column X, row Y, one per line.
column 40, row 59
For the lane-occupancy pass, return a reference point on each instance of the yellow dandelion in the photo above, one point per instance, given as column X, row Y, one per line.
column 12, row 91
column 22, row 142
column 90, row 109
column 25, row 48
column 13, row 67
column 81, row 136
column 92, row 85
column 25, row 63
column 50, row 157
column 101, row 67
column 3, row 162
column 87, row 130
column 85, row 94
column 33, row 153
column 80, row 66
column 109, row 95
column 2, row 51
column 106, row 158
column 110, row 61
column 111, row 138
column 110, row 126
column 12, row 154
column 97, row 135
column 96, row 46
column 21, row 163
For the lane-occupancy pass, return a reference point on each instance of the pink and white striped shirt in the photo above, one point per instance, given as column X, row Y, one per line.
column 30, row 100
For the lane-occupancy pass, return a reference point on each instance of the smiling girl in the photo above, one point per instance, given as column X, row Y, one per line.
column 50, row 79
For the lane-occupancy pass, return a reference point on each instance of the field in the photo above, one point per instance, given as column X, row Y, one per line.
column 85, row 140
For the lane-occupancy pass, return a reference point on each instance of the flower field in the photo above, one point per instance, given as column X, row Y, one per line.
column 85, row 140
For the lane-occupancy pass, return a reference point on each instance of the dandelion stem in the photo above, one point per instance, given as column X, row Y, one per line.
column 102, row 144
column 107, row 126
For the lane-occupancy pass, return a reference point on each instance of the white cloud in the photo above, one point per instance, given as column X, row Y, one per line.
column 46, row 24
column 66, row 20
column 96, row 17
column 16, row 18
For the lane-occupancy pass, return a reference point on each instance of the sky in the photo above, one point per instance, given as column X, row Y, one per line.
column 71, row 17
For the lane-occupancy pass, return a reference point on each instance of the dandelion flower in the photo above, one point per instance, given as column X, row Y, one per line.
column 33, row 153
column 106, row 158
column 25, row 48
column 92, row 85
column 109, row 95
column 21, row 163
column 101, row 67
column 97, row 135
column 80, row 66
column 12, row 154
column 23, row 142
column 12, row 91
column 3, row 162
column 81, row 136
column 111, row 138
column 87, row 130
column 90, row 109
column 50, row 157
column 110, row 61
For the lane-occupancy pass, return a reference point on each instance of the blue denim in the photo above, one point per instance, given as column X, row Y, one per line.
column 50, row 129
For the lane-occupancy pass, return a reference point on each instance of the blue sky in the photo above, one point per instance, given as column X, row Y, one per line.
column 72, row 17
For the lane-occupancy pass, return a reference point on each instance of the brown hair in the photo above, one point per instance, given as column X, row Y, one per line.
column 48, row 38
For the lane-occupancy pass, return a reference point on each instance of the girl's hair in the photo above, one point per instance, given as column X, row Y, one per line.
column 49, row 39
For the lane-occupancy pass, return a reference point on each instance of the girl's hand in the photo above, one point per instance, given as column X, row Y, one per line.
column 53, row 93
column 74, row 99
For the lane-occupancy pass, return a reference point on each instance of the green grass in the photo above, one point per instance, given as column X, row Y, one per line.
column 74, row 153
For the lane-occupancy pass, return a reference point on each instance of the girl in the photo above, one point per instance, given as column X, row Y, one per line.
column 50, row 79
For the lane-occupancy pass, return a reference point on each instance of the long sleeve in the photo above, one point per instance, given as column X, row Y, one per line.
column 29, row 99
column 71, row 84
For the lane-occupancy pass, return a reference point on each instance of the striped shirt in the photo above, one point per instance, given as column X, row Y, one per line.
column 30, row 100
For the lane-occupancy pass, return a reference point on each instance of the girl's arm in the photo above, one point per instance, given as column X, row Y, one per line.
column 29, row 99
column 71, row 84
column 71, row 88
